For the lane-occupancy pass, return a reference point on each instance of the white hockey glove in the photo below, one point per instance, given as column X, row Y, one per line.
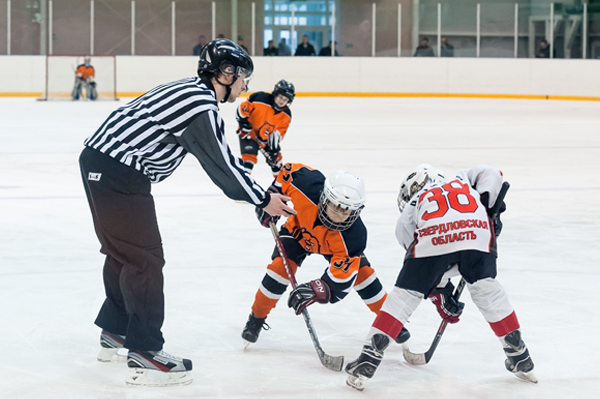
column 308, row 293
column 274, row 139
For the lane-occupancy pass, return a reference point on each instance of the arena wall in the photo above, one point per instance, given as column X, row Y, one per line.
column 351, row 76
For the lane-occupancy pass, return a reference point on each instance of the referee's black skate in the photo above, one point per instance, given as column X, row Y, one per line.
column 252, row 329
column 363, row 368
column 157, row 369
column 518, row 360
column 110, row 345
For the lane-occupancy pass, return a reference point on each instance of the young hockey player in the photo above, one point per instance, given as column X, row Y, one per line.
column 327, row 223
column 84, row 80
column 444, row 225
column 141, row 143
column 264, row 119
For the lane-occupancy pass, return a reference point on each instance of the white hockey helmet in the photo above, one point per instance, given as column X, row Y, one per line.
column 416, row 180
column 341, row 201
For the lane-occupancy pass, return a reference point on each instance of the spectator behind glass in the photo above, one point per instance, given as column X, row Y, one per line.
column 544, row 51
column 305, row 48
column 201, row 43
column 240, row 43
column 424, row 50
column 284, row 49
column 447, row 48
column 270, row 50
column 326, row 51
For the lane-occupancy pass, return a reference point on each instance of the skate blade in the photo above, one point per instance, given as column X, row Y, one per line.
column 155, row 378
column 529, row 376
column 246, row 344
column 112, row 355
column 357, row 383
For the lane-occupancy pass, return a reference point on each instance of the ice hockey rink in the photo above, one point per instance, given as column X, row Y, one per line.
column 50, row 266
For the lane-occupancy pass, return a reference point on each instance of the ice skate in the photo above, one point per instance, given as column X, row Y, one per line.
column 363, row 368
column 252, row 329
column 111, row 344
column 403, row 336
column 157, row 369
column 518, row 360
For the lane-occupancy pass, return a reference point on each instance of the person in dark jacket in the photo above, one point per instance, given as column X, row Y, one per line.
column 424, row 50
column 305, row 48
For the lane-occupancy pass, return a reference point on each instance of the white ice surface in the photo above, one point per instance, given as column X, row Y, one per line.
column 50, row 267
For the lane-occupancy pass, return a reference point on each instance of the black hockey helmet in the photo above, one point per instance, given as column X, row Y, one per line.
column 223, row 55
column 286, row 89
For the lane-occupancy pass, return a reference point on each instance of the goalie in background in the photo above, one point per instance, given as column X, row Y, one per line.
column 85, row 81
column 264, row 119
column 327, row 223
column 446, row 231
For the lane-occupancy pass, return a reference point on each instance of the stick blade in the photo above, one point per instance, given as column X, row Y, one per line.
column 335, row 363
column 418, row 359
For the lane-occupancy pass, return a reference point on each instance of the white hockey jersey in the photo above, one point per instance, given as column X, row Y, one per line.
column 447, row 217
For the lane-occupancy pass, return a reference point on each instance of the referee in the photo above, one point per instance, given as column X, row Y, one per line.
column 141, row 143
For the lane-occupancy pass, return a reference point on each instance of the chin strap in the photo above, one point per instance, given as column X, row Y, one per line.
column 227, row 87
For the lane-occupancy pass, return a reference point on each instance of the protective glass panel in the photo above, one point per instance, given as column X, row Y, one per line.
column 535, row 18
column 28, row 27
column 387, row 30
column 459, row 29
column 193, row 21
column 153, row 31
column 112, row 27
column 497, row 30
column 593, row 37
column 70, row 27
column 425, row 41
column 3, row 28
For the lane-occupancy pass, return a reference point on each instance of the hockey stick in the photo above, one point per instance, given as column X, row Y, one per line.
column 424, row 358
column 334, row 363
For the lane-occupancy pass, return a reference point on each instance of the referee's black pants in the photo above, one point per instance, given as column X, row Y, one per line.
column 125, row 222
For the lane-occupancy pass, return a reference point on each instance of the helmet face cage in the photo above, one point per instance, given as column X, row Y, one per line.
column 343, row 196
column 286, row 89
column 415, row 182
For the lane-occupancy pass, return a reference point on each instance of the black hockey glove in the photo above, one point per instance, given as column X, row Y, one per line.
column 308, row 293
column 271, row 154
column 447, row 306
column 497, row 225
column 485, row 199
column 263, row 217
column 244, row 129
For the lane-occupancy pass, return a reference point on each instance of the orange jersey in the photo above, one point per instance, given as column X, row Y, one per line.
column 343, row 249
column 85, row 72
column 258, row 110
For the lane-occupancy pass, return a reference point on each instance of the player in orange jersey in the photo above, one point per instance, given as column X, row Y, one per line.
column 263, row 120
column 327, row 223
column 85, row 79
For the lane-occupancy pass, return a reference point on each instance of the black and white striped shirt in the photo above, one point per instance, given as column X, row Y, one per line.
column 154, row 132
